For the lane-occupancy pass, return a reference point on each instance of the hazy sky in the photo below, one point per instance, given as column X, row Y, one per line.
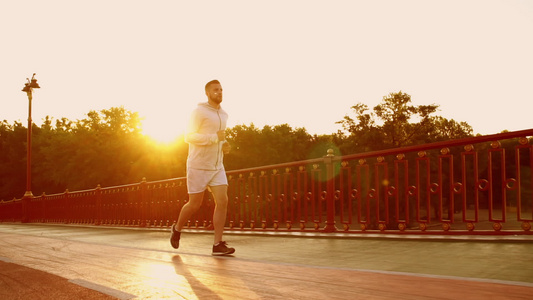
column 300, row 62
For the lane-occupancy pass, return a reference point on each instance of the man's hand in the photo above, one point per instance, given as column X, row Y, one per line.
column 221, row 134
column 226, row 147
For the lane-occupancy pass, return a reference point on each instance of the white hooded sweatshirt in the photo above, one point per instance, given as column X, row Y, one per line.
column 205, row 150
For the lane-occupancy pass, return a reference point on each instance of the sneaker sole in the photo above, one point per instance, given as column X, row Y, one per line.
column 222, row 253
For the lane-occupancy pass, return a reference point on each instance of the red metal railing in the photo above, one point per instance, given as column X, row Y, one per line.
column 479, row 185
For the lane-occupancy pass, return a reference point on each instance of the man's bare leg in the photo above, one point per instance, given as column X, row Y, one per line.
column 195, row 202
column 220, row 194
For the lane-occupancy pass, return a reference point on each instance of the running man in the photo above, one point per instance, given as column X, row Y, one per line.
column 205, row 169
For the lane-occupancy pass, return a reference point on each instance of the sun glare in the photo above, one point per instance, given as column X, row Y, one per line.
column 160, row 132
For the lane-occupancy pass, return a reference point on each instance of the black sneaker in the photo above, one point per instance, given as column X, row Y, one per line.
column 175, row 238
column 222, row 249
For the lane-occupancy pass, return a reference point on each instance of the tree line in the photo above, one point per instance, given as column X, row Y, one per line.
column 108, row 147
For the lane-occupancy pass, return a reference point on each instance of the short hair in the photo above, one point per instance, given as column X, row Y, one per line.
column 210, row 83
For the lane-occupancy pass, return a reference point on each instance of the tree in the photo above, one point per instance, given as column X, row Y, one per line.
column 12, row 160
column 107, row 146
column 444, row 129
column 253, row 147
column 402, row 124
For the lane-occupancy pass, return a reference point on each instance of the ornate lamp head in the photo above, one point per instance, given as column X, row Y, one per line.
column 28, row 86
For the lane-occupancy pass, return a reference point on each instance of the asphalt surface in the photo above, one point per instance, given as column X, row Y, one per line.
column 42, row 261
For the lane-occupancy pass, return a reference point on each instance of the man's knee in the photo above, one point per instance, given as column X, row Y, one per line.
column 195, row 200
column 222, row 201
column 220, row 193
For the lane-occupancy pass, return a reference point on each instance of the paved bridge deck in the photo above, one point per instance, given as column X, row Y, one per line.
column 74, row 262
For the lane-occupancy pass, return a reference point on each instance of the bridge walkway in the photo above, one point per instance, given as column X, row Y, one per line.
column 45, row 261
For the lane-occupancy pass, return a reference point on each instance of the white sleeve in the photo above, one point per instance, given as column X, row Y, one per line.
column 193, row 137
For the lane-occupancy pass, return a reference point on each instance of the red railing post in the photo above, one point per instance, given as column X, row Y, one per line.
column 98, row 217
column 26, row 200
column 43, row 208
column 66, row 208
column 144, row 206
column 330, row 192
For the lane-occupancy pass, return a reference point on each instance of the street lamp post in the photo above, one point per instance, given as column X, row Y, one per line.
column 28, row 88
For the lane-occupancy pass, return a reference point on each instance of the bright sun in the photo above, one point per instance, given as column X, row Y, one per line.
column 160, row 131
column 165, row 125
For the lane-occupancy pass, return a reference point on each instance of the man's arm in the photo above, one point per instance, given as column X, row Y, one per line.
column 193, row 137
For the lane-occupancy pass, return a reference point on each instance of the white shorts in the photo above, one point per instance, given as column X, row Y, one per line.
column 199, row 180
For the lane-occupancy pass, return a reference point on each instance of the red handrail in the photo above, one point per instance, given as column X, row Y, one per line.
column 435, row 188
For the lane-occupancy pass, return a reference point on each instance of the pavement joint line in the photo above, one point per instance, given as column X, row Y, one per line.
column 472, row 279
column 103, row 289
